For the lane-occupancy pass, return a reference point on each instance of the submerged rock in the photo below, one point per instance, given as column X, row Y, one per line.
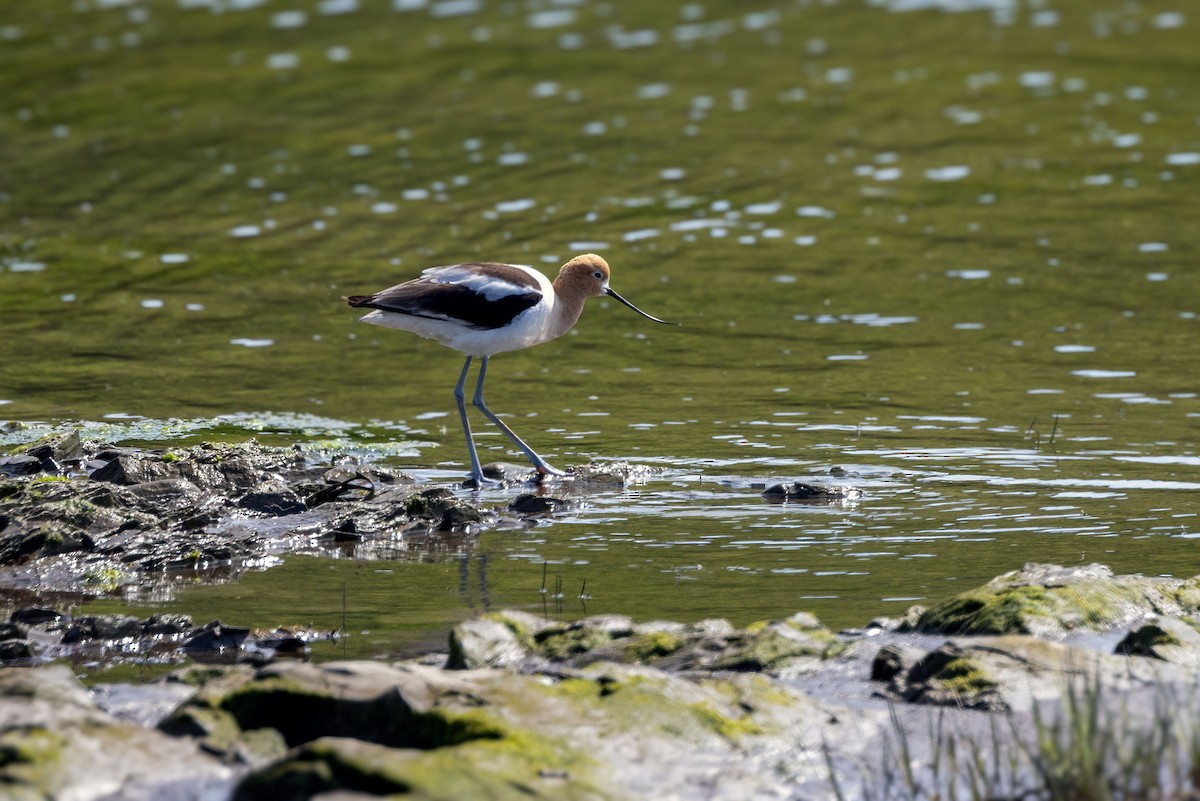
column 800, row 492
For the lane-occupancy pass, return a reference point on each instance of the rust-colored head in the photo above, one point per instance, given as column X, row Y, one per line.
column 583, row 277
column 587, row 276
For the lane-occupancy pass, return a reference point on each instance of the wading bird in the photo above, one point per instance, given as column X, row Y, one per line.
column 482, row 309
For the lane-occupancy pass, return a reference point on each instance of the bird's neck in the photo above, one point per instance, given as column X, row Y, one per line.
column 567, row 308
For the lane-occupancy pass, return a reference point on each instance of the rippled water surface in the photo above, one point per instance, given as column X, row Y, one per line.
column 946, row 258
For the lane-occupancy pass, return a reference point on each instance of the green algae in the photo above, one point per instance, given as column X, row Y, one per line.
column 641, row 648
column 562, row 645
column 964, row 677
column 998, row 608
column 985, row 612
column 31, row 757
column 764, row 648
column 734, row 729
column 520, row 767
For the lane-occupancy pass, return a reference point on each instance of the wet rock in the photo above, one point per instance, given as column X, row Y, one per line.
column 50, row 619
column 615, row 474
column 13, row 631
column 799, row 492
column 56, row 449
column 15, row 650
column 1049, row 601
column 103, row 627
column 274, row 498
column 21, row 465
column 215, row 639
column 1169, row 639
column 507, row 473
column 165, row 495
column 529, row 504
column 442, row 505
column 484, row 642
column 135, row 468
column 170, row 625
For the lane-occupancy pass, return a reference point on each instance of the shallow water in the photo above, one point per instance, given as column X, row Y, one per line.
column 952, row 254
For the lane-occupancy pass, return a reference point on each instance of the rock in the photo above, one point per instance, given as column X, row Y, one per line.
column 507, row 473
column 103, row 627
column 273, row 498
column 1050, row 601
column 798, row 492
column 55, row 449
column 610, row 731
column 215, row 638
column 50, row 619
column 445, row 507
column 565, row 643
column 13, row 631
column 894, row 661
column 947, row 676
column 57, row 743
column 15, row 650
column 217, row 732
column 170, row 625
column 1169, row 639
column 22, row 465
column 484, row 642
column 778, row 645
column 611, row 474
column 135, row 468
column 529, row 504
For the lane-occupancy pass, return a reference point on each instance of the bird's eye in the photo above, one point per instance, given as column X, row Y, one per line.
column 598, row 274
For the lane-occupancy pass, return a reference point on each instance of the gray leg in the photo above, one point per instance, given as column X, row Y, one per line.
column 460, row 396
column 538, row 462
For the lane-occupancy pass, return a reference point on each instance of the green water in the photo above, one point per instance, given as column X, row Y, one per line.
column 954, row 254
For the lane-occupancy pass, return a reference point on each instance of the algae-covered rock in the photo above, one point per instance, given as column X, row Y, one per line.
column 1169, row 639
column 55, row 742
column 502, row 770
column 778, row 645
column 1049, row 601
column 948, row 676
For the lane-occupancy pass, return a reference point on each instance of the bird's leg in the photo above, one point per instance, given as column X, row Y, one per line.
column 538, row 462
column 460, row 395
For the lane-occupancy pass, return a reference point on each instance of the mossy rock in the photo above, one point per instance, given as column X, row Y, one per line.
column 768, row 646
column 644, row 648
column 217, row 732
column 518, row 768
column 734, row 729
column 1047, row 600
column 963, row 677
column 31, row 757
column 948, row 676
column 560, row 645
column 1174, row 640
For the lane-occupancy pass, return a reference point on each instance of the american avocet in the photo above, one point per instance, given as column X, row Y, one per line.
column 482, row 309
